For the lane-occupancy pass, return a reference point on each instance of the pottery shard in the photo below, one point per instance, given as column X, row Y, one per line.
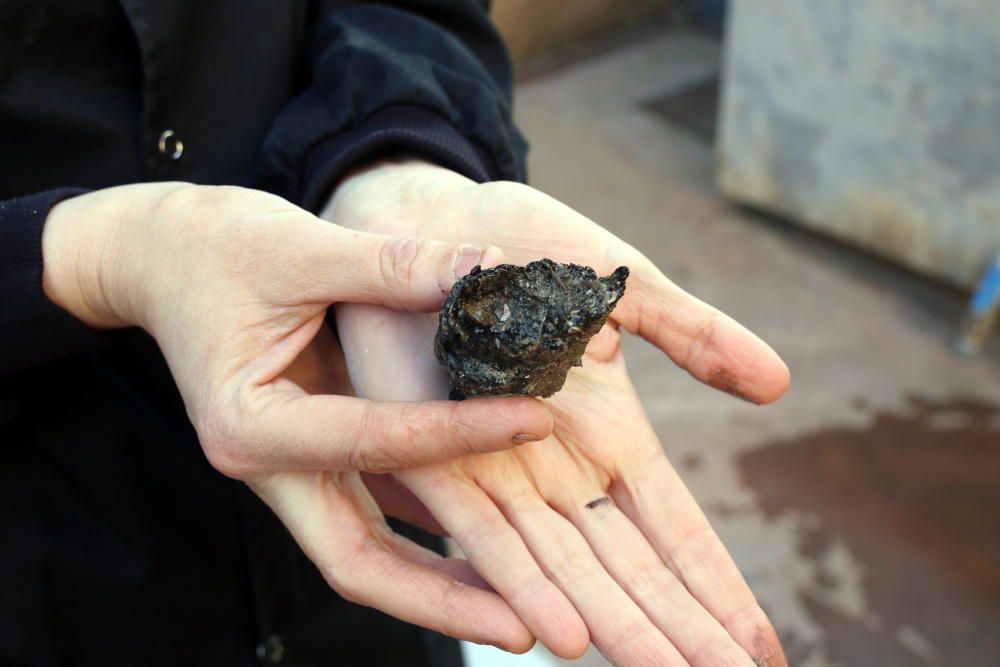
column 519, row 329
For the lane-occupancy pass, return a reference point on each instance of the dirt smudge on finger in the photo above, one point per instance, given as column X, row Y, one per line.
column 723, row 380
column 594, row 504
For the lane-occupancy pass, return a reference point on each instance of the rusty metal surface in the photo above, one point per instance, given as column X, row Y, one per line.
column 877, row 123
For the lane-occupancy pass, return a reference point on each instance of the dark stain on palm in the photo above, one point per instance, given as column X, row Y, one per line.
column 594, row 504
column 914, row 497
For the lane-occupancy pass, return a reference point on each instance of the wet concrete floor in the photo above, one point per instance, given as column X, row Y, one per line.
column 864, row 508
column 915, row 498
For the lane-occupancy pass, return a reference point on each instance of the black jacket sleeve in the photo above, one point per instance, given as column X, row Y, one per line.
column 429, row 77
column 34, row 330
column 424, row 77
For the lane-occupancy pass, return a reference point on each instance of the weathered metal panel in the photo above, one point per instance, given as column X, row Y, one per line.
column 877, row 122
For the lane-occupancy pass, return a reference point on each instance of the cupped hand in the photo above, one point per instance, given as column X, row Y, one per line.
column 340, row 526
column 234, row 285
column 589, row 534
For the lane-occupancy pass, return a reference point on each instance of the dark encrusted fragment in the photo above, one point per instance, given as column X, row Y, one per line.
column 519, row 329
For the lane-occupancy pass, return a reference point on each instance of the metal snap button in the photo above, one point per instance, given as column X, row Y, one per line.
column 170, row 145
column 272, row 651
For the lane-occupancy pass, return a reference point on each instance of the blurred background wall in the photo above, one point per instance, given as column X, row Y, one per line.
column 537, row 28
column 875, row 122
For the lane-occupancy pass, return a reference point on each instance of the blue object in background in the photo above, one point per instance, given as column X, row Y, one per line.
column 982, row 311
column 987, row 293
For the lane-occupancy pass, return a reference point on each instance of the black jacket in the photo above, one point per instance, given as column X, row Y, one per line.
column 122, row 545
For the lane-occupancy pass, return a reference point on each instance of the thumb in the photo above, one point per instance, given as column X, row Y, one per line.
column 400, row 272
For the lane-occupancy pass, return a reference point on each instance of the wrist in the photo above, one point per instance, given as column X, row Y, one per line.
column 77, row 242
column 92, row 253
column 378, row 196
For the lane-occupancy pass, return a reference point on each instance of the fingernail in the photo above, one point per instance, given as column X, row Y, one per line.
column 521, row 438
column 467, row 258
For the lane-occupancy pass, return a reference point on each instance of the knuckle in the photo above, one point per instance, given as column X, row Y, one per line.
column 191, row 200
column 528, row 588
column 649, row 322
column 372, row 458
column 524, row 500
column 398, row 259
column 372, row 451
column 648, row 580
column 224, row 438
column 343, row 575
column 701, row 339
column 450, row 604
column 643, row 644
column 719, row 651
column 347, row 586
column 225, row 450
column 462, row 432
column 636, row 632
column 749, row 614
column 484, row 536
column 573, row 569
column 402, row 437
column 182, row 199
column 205, row 212
column 693, row 550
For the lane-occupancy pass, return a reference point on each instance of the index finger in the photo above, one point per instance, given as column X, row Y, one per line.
column 710, row 345
column 289, row 429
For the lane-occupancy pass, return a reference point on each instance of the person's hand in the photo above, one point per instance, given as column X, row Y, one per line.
column 234, row 285
column 589, row 534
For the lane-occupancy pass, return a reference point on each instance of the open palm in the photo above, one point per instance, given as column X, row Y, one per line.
column 588, row 534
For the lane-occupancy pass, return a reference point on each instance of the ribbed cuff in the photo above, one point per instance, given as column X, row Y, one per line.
column 399, row 129
column 33, row 330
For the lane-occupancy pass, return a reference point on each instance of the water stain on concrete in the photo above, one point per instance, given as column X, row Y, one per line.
column 916, row 500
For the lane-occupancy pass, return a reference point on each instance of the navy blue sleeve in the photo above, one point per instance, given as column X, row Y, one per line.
column 33, row 330
column 428, row 78
column 397, row 129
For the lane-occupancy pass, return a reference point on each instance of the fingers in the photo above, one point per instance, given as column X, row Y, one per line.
column 322, row 513
column 405, row 273
column 628, row 557
column 396, row 500
column 287, row 429
column 710, row 345
column 455, row 567
column 501, row 558
column 372, row 512
column 618, row 627
column 693, row 552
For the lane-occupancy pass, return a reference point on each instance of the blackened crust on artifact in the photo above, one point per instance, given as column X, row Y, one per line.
column 517, row 330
